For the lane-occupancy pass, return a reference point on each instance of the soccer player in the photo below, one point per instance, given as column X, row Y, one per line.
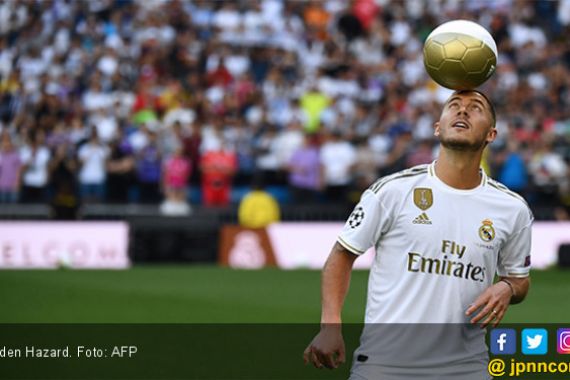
column 441, row 232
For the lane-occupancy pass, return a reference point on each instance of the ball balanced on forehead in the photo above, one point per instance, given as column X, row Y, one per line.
column 460, row 55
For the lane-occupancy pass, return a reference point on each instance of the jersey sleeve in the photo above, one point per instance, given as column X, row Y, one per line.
column 514, row 258
column 365, row 224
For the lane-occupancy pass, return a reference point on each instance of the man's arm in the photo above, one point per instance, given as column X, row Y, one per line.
column 327, row 348
column 518, row 287
column 495, row 301
column 335, row 282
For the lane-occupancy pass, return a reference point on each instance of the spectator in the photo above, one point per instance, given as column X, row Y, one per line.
column 10, row 170
column 63, row 182
column 192, row 143
column 148, row 169
column 287, row 142
column 317, row 18
column 305, row 171
column 78, row 133
column 267, row 161
column 365, row 166
column 513, row 173
column 549, row 172
column 35, row 170
column 421, row 153
column 120, row 171
column 176, row 176
column 218, row 168
column 92, row 174
column 220, row 76
column 398, row 156
column 314, row 103
column 338, row 158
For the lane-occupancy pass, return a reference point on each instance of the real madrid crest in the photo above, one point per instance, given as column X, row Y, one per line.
column 423, row 198
column 486, row 231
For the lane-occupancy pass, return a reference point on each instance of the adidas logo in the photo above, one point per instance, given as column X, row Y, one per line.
column 422, row 219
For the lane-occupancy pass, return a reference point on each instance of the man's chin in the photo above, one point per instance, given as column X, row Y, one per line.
column 461, row 145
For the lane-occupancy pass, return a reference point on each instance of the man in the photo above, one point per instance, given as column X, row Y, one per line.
column 441, row 232
column 218, row 169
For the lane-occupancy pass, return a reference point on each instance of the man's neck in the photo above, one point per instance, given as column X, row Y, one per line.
column 459, row 170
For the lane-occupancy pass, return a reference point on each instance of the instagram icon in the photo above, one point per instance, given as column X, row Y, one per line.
column 563, row 342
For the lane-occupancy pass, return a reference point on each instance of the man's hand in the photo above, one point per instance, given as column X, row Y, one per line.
column 493, row 303
column 327, row 348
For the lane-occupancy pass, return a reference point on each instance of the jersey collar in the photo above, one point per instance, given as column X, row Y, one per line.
column 440, row 183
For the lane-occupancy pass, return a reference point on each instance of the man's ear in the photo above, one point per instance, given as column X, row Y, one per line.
column 436, row 128
column 492, row 135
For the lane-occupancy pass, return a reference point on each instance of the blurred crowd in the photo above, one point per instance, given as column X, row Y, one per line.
column 145, row 101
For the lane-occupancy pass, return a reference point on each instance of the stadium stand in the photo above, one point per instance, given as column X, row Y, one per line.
column 253, row 78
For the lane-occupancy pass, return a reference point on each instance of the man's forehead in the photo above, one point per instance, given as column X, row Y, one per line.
column 475, row 95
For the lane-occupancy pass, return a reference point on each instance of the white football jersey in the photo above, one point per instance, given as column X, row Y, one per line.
column 437, row 248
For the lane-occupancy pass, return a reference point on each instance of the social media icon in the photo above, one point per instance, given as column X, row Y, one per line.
column 534, row 341
column 503, row 341
column 563, row 341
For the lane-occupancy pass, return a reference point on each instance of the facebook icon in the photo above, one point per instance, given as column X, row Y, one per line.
column 503, row 341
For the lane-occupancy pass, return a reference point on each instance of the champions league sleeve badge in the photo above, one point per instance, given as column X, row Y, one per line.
column 355, row 219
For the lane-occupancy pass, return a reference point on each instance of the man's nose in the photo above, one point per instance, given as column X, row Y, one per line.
column 462, row 110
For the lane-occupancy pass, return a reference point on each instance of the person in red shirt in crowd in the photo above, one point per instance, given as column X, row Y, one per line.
column 218, row 169
column 221, row 76
column 366, row 11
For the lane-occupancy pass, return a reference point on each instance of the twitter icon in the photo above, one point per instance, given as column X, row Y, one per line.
column 534, row 341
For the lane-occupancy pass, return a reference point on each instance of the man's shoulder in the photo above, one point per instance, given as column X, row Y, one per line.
column 500, row 190
column 508, row 196
column 395, row 180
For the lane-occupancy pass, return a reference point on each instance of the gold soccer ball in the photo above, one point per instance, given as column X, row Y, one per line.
column 460, row 55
